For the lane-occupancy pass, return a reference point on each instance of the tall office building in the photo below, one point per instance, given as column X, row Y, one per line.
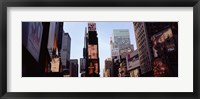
column 121, row 38
column 65, row 52
column 59, row 35
column 91, row 51
column 120, row 42
column 157, row 42
column 120, row 47
column 54, row 69
column 53, row 49
column 83, row 61
column 143, row 47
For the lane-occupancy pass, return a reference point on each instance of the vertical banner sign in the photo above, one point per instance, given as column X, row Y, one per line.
column 55, row 64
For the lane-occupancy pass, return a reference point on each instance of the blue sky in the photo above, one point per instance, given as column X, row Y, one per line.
column 76, row 31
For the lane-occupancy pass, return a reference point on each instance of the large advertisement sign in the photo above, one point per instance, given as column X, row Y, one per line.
column 93, row 67
column 163, row 41
column 125, row 51
column 55, row 65
column 163, row 44
column 92, row 51
column 115, row 52
column 132, row 60
column 34, row 39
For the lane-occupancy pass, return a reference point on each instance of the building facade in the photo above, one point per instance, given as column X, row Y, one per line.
column 65, row 52
column 35, row 56
column 73, row 68
column 60, row 31
column 82, row 66
column 91, row 51
column 108, row 67
column 157, row 42
column 54, row 49
column 120, row 47
column 143, row 47
column 120, row 38
column 83, row 61
column 40, row 56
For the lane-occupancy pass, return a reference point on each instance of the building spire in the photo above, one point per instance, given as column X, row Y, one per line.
column 85, row 38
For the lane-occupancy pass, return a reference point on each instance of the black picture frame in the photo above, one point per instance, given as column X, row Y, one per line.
column 100, row 3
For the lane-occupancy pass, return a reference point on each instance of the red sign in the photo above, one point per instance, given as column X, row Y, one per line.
column 91, row 26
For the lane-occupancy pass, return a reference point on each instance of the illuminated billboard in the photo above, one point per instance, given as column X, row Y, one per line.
column 163, row 41
column 132, row 60
column 115, row 52
column 163, row 44
column 92, row 51
column 35, row 31
column 125, row 51
column 93, row 67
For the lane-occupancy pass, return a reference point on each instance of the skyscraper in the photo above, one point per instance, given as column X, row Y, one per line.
column 53, row 48
column 121, row 38
column 65, row 52
column 92, row 51
column 120, row 47
column 59, row 35
column 120, row 42
column 83, row 61
column 143, row 47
